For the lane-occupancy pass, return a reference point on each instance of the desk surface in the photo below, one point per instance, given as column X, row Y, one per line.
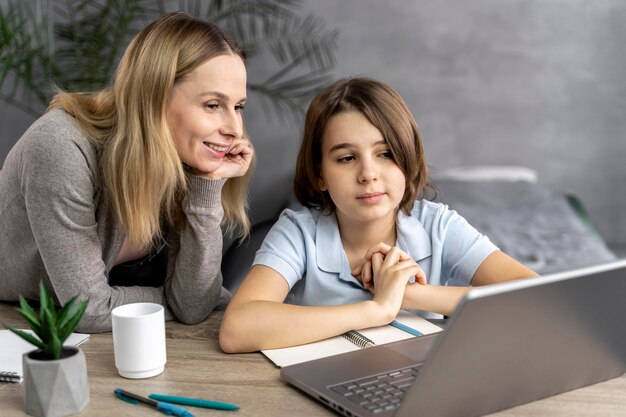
column 197, row 368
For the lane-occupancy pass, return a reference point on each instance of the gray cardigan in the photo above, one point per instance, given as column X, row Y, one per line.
column 57, row 225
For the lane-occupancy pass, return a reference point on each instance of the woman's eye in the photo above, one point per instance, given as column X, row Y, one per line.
column 212, row 106
column 240, row 107
column 386, row 155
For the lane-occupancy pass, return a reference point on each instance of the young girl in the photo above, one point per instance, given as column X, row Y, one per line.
column 363, row 247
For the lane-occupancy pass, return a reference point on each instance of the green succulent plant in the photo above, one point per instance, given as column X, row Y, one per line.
column 53, row 325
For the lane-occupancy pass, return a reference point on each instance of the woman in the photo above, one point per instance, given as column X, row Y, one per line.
column 118, row 195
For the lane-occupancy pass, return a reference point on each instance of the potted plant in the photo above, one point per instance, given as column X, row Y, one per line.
column 55, row 376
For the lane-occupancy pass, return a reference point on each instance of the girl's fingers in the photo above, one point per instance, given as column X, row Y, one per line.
column 420, row 277
column 394, row 256
column 381, row 247
column 366, row 275
column 377, row 261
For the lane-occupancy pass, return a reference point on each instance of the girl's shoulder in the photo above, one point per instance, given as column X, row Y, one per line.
column 426, row 207
column 431, row 213
column 303, row 216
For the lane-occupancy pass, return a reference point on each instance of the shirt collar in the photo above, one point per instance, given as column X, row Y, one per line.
column 412, row 238
column 328, row 243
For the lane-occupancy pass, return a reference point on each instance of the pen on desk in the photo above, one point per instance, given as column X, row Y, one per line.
column 163, row 407
column 405, row 328
column 196, row 402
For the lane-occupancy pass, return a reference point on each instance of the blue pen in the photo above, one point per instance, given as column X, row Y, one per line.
column 405, row 328
column 165, row 408
column 196, row 402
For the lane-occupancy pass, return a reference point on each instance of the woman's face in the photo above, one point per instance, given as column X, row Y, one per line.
column 204, row 112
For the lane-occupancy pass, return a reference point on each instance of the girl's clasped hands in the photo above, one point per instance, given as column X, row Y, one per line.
column 386, row 272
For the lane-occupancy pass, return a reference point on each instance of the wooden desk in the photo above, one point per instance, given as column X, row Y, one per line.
column 197, row 368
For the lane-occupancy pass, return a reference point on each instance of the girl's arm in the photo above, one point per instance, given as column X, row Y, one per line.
column 257, row 317
column 497, row 267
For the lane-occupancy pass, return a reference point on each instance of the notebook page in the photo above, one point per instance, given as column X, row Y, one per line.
column 387, row 334
column 12, row 347
column 302, row 353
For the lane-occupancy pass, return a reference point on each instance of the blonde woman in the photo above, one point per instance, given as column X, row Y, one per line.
column 119, row 195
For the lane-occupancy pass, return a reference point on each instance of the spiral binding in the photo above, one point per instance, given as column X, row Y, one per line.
column 358, row 339
column 10, row 377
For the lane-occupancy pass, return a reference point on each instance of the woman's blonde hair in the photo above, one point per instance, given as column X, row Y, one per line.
column 142, row 171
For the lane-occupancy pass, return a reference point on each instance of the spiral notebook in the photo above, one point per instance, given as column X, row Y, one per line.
column 349, row 342
column 12, row 347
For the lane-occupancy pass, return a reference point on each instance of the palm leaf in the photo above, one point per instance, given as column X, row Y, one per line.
column 302, row 48
column 81, row 52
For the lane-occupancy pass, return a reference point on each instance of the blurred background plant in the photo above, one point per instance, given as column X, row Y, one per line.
column 76, row 44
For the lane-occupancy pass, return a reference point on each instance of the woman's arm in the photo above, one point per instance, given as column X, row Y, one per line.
column 257, row 318
column 194, row 281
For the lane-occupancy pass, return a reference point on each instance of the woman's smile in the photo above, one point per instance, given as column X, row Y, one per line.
column 215, row 150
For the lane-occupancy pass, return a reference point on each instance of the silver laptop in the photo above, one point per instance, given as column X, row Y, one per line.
column 506, row 344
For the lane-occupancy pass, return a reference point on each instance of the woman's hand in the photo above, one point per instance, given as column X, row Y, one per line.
column 236, row 162
column 364, row 271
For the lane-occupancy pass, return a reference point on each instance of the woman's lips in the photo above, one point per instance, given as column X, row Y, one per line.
column 217, row 151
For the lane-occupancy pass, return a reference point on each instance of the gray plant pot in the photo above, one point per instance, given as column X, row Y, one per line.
column 55, row 388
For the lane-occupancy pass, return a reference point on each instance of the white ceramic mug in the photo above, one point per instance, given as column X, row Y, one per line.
column 139, row 339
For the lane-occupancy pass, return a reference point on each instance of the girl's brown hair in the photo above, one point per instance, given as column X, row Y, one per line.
column 387, row 111
column 141, row 169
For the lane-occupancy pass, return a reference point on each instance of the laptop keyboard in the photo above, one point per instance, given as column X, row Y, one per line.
column 379, row 392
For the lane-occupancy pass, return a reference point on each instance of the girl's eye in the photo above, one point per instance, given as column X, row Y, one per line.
column 386, row 155
column 345, row 159
column 240, row 107
column 212, row 106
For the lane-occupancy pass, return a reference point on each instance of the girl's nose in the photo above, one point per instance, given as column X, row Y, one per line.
column 368, row 172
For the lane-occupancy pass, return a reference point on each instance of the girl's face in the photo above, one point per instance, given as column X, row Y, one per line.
column 204, row 112
column 358, row 170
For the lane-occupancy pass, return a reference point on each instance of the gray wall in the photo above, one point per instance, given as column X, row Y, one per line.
column 535, row 83
column 525, row 82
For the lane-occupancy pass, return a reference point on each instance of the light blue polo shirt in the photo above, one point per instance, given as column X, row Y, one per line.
column 305, row 248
